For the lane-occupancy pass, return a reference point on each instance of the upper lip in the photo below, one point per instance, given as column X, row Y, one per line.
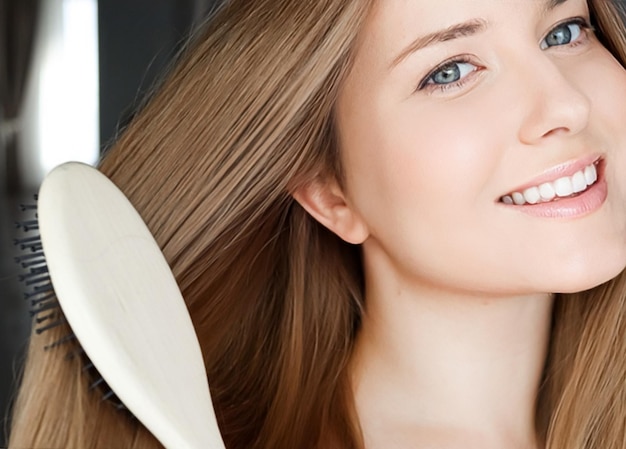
column 568, row 168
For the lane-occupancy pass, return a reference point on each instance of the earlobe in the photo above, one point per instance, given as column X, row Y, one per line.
column 325, row 201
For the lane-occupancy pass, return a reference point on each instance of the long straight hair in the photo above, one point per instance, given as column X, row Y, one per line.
column 244, row 118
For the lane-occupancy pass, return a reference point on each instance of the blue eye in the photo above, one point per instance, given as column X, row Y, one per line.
column 452, row 72
column 565, row 34
column 448, row 74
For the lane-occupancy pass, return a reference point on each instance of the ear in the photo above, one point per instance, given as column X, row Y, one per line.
column 325, row 201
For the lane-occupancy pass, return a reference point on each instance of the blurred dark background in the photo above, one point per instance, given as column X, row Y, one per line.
column 133, row 43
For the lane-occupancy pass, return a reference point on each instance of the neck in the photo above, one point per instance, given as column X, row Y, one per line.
column 429, row 362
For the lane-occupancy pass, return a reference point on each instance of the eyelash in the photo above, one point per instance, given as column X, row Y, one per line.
column 427, row 83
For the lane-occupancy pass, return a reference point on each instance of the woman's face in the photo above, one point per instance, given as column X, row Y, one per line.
column 465, row 126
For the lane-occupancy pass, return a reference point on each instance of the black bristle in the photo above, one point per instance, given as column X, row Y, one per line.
column 60, row 341
column 25, row 277
column 33, row 247
column 42, row 299
column 44, row 307
column 25, row 258
column 88, row 366
column 97, row 382
column 43, row 288
column 27, row 240
column 43, row 279
column 33, row 244
column 43, row 319
column 50, row 326
column 39, row 270
column 28, row 225
column 37, row 296
column 27, row 207
column 31, row 260
column 108, row 395
column 35, row 262
column 35, row 271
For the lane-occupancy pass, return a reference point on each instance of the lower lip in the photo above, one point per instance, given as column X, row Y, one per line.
column 574, row 207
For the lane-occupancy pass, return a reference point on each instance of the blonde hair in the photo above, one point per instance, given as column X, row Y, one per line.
column 246, row 117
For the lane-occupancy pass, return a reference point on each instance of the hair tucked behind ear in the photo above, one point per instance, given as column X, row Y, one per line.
column 244, row 118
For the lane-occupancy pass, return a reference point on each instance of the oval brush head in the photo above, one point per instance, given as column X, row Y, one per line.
column 123, row 304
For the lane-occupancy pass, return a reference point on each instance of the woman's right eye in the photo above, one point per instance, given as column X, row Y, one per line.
column 449, row 74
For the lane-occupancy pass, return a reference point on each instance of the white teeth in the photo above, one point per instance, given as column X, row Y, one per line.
column 578, row 182
column 532, row 195
column 518, row 198
column 563, row 187
column 548, row 191
column 591, row 174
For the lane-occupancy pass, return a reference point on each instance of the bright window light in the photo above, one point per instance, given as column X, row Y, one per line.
column 68, row 87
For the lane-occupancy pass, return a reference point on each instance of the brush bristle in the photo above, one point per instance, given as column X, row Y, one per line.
column 43, row 305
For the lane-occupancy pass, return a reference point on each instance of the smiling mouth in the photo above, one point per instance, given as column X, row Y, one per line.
column 561, row 188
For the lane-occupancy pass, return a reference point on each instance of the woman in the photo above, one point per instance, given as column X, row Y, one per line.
column 368, row 207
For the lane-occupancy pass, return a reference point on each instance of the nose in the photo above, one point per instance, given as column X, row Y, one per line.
column 552, row 102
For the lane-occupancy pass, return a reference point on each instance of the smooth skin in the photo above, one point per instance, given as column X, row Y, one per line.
column 458, row 284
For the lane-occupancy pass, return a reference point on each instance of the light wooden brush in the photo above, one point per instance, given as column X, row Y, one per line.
column 122, row 302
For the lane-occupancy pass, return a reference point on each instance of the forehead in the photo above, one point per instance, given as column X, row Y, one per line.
column 446, row 10
column 394, row 24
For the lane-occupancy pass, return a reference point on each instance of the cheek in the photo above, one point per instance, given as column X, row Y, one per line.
column 424, row 184
column 414, row 162
column 604, row 81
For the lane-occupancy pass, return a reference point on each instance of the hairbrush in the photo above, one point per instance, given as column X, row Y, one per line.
column 96, row 259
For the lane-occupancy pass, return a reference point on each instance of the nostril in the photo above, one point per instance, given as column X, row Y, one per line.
column 557, row 131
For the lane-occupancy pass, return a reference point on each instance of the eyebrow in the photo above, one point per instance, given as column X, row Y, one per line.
column 551, row 4
column 464, row 29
